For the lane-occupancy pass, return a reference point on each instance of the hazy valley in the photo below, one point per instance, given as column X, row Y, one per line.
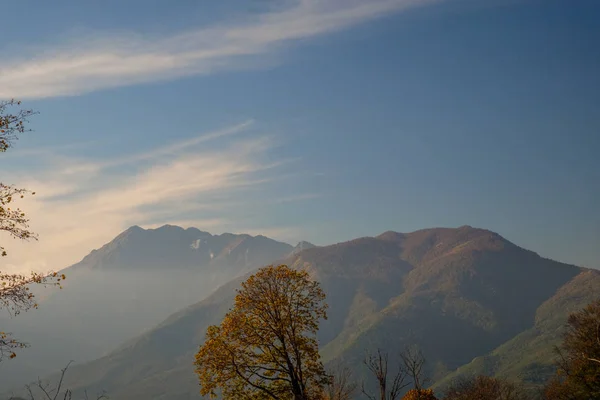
column 129, row 285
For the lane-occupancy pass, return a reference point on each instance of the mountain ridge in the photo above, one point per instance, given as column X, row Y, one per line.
column 137, row 247
column 473, row 285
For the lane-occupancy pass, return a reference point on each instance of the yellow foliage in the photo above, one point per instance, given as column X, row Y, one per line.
column 266, row 345
column 15, row 295
column 422, row 394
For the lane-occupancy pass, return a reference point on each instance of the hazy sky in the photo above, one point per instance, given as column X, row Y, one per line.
column 306, row 119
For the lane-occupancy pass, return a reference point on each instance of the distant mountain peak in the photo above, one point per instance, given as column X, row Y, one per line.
column 440, row 231
column 391, row 236
column 171, row 246
column 132, row 230
column 303, row 244
column 168, row 228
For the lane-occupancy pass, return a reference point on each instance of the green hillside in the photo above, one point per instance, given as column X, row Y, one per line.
column 529, row 356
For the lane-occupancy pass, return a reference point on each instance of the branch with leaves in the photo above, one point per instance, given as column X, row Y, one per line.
column 11, row 124
column 13, row 220
column 578, row 362
column 15, row 289
column 16, row 297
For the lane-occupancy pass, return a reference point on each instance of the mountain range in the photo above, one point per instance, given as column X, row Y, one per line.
column 177, row 248
column 125, row 287
column 472, row 301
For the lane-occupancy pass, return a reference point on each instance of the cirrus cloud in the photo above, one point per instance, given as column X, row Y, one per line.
column 107, row 60
column 83, row 203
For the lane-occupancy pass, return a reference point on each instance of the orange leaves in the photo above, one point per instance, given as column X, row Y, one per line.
column 578, row 373
column 15, row 295
column 419, row 394
column 13, row 221
column 485, row 387
column 266, row 345
column 7, row 344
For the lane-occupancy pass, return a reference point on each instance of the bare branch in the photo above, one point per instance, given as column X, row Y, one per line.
column 62, row 377
column 414, row 363
column 56, row 393
column 378, row 365
column 341, row 386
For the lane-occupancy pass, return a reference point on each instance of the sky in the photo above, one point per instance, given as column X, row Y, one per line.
column 318, row 120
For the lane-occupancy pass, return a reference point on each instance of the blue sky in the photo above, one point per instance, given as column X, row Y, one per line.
column 306, row 119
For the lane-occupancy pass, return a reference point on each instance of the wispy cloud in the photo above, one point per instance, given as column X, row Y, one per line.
column 165, row 151
column 107, row 60
column 78, row 209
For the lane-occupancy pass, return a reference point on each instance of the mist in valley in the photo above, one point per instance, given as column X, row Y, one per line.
column 96, row 311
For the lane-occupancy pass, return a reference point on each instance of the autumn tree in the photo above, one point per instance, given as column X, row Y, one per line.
column 578, row 365
column 421, row 394
column 484, row 388
column 15, row 294
column 266, row 346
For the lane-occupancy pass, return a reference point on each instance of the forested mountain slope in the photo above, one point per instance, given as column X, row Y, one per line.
column 467, row 297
